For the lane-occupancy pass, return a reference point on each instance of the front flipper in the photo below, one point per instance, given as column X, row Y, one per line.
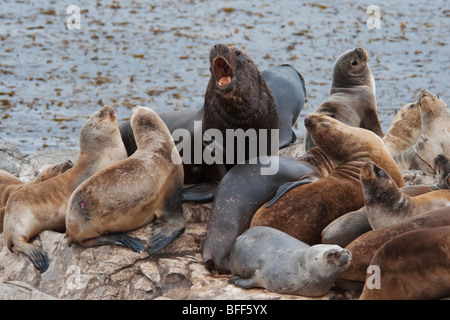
column 284, row 188
column 203, row 193
column 120, row 239
column 35, row 253
column 245, row 283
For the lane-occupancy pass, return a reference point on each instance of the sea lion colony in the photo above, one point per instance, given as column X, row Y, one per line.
column 239, row 96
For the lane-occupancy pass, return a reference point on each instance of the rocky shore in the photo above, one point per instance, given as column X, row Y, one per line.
column 117, row 273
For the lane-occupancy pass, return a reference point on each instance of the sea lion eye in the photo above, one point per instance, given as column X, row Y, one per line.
column 354, row 63
column 100, row 115
column 411, row 106
column 237, row 52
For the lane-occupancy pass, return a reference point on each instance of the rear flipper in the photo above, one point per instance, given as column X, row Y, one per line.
column 284, row 188
column 245, row 283
column 120, row 239
column 35, row 253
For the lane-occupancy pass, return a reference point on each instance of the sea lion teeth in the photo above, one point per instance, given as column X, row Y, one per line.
column 224, row 80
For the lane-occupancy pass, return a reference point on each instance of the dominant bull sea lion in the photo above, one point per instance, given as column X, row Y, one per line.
column 304, row 211
column 42, row 206
column 352, row 98
column 238, row 96
column 131, row 193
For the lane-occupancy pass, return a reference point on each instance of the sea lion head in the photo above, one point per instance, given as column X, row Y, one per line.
column 234, row 75
column 351, row 68
column 98, row 127
column 442, row 169
column 329, row 259
column 150, row 131
column 377, row 184
column 431, row 107
column 338, row 141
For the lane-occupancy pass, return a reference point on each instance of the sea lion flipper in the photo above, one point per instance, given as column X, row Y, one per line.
column 163, row 235
column 204, row 192
column 170, row 224
column 284, row 188
column 245, row 283
column 35, row 253
column 121, row 239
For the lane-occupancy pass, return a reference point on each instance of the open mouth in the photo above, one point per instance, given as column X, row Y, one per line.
column 223, row 72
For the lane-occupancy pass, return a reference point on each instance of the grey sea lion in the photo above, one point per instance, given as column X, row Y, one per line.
column 243, row 190
column 352, row 97
column 268, row 258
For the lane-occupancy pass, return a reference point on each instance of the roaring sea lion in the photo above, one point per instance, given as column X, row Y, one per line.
column 351, row 225
column 413, row 266
column 42, row 206
column 365, row 246
column 238, row 96
column 304, row 211
column 268, row 258
column 404, row 129
column 352, row 98
column 386, row 204
column 9, row 183
column 435, row 136
column 243, row 190
column 132, row 192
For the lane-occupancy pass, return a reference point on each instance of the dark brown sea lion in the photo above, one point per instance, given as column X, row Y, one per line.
column 304, row 211
column 351, row 225
column 42, row 206
column 352, row 98
column 238, row 96
column 132, row 193
column 364, row 247
column 243, row 190
column 412, row 266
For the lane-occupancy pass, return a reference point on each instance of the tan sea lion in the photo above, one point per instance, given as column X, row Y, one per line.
column 404, row 129
column 304, row 211
column 435, row 136
column 42, row 206
column 352, row 98
column 412, row 266
column 365, row 246
column 9, row 183
column 386, row 204
column 131, row 193
column 351, row 225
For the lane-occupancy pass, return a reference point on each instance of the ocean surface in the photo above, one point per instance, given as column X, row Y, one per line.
column 155, row 54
